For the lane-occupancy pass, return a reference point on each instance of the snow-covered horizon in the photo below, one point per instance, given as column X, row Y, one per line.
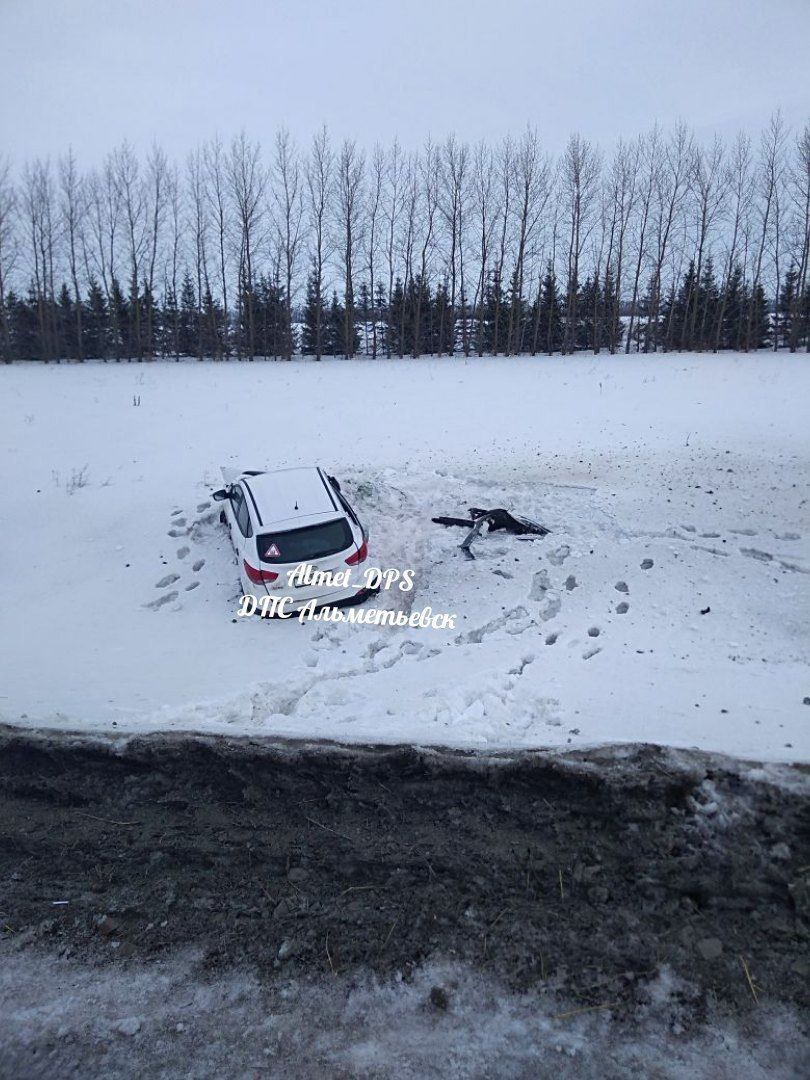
column 680, row 478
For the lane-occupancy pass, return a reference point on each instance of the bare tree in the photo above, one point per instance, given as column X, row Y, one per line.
column 130, row 187
column 288, row 219
column 176, row 230
column 506, row 177
column 72, row 211
column 649, row 151
column 373, row 213
column 622, row 193
column 531, row 184
column 767, row 207
column 670, row 187
column 800, row 196
column 157, row 171
column 216, row 181
column 455, row 159
column 248, row 182
column 393, row 198
column 198, row 212
column 486, row 212
column 708, row 191
column 737, row 183
column 320, row 169
column 580, row 178
column 428, row 205
column 348, row 192
column 8, row 248
column 37, row 198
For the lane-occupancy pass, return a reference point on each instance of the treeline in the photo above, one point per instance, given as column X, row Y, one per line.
column 666, row 244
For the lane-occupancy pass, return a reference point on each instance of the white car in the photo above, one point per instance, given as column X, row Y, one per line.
column 282, row 519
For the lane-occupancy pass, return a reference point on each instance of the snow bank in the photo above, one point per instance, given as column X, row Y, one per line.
column 669, row 604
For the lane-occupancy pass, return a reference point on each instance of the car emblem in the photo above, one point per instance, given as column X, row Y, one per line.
column 272, row 552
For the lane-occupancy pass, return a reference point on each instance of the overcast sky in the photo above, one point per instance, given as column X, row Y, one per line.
column 89, row 73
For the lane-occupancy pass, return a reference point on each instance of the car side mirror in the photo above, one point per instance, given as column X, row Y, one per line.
column 222, row 494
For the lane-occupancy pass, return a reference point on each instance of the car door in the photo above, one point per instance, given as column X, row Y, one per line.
column 240, row 525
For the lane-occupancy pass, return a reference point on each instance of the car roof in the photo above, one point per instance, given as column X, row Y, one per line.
column 291, row 497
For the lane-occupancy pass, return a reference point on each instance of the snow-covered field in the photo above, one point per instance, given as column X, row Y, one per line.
column 669, row 604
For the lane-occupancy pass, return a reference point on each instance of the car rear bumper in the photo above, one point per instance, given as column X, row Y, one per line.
column 333, row 598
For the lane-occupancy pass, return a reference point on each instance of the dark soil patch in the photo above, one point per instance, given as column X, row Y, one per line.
column 588, row 871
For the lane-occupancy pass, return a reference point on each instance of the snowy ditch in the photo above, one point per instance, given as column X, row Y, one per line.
column 669, row 604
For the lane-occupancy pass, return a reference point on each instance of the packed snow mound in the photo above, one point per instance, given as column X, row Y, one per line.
column 668, row 604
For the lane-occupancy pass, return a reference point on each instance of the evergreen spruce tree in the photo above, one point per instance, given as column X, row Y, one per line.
column 188, row 330
column 786, row 311
column 443, row 334
column 587, row 303
column 379, row 342
column 119, row 320
column 396, row 341
column 95, row 322
column 67, row 346
column 335, row 328
column 363, row 310
column 548, row 316
column 706, row 309
column 170, row 324
column 676, row 311
column 609, row 330
column 315, row 318
column 24, row 326
column 733, row 311
column 760, row 336
column 493, row 332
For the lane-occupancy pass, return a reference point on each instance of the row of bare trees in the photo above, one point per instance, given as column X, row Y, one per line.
column 485, row 224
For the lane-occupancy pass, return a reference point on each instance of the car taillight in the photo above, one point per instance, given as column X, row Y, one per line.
column 359, row 556
column 258, row 577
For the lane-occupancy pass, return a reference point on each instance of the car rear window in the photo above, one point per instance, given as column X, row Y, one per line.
column 304, row 545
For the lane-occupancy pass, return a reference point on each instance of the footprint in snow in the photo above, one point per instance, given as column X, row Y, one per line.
column 592, row 650
column 551, row 607
column 755, row 553
column 622, row 608
column 743, row 532
column 524, row 663
column 161, row 600
column 540, row 585
column 787, row 536
column 176, row 513
column 168, row 580
column 558, row 556
column 178, row 521
column 551, row 639
column 198, row 565
column 192, row 585
column 593, row 631
column 570, row 582
column 182, row 552
column 621, row 586
column 202, row 506
column 647, row 564
column 176, row 533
